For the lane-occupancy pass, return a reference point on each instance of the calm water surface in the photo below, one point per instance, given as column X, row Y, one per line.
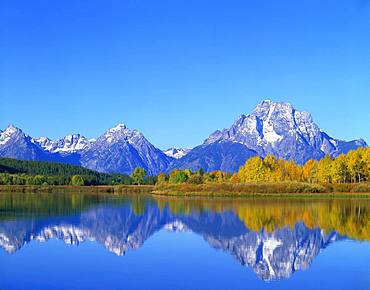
column 72, row 241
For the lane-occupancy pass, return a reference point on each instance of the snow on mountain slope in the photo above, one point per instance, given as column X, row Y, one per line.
column 176, row 153
column 6, row 135
column 121, row 149
column 277, row 128
column 272, row 128
column 15, row 144
column 69, row 144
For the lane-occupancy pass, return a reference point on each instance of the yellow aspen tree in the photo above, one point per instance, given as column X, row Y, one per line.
column 355, row 165
column 324, row 169
column 339, row 169
column 309, row 171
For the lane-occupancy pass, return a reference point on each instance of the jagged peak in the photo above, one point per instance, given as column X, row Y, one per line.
column 361, row 142
column 42, row 139
column 9, row 133
column 215, row 136
column 74, row 137
column 121, row 132
column 272, row 125
column 118, row 127
column 69, row 144
column 12, row 129
column 176, row 152
column 266, row 102
column 121, row 129
column 303, row 115
column 266, row 107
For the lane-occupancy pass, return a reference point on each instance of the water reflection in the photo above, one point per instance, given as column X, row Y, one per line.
column 275, row 238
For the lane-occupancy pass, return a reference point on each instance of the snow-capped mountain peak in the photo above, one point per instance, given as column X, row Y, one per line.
column 121, row 149
column 176, row 153
column 121, row 133
column 12, row 129
column 15, row 144
column 69, row 144
column 44, row 142
column 275, row 128
column 73, row 143
column 8, row 133
column 278, row 128
column 118, row 128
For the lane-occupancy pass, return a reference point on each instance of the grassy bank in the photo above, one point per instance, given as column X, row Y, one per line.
column 117, row 189
column 209, row 189
column 261, row 188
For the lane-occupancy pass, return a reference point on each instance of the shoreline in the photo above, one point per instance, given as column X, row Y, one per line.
column 111, row 189
column 365, row 195
column 263, row 189
column 294, row 190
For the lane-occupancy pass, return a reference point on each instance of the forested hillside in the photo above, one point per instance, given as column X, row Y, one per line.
column 13, row 171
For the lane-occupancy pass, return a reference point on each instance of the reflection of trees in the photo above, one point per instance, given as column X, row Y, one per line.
column 346, row 216
column 138, row 205
column 13, row 205
column 350, row 217
column 274, row 237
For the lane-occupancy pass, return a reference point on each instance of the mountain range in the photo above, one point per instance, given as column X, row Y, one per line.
column 272, row 128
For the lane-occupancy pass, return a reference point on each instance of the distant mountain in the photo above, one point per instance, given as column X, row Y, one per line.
column 225, row 156
column 15, row 144
column 121, row 150
column 272, row 128
column 176, row 153
column 67, row 145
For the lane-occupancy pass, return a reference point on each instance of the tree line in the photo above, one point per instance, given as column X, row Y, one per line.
column 353, row 167
column 21, row 172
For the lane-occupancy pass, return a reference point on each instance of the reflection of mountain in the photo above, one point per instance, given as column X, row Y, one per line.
column 271, row 255
column 279, row 254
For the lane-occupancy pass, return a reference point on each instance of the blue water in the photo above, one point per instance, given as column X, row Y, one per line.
column 123, row 245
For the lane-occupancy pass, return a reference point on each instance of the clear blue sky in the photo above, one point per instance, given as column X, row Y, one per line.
column 179, row 69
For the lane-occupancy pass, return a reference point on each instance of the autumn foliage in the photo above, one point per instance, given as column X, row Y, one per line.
column 353, row 167
column 346, row 168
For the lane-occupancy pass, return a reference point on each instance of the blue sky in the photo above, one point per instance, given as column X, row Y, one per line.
column 179, row 69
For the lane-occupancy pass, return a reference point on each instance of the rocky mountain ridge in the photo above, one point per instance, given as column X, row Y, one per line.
column 272, row 128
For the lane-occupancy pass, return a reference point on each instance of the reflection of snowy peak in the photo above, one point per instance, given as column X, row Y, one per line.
column 279, row 254
column 176, row 226
column 271, row 255
column 69, row 234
